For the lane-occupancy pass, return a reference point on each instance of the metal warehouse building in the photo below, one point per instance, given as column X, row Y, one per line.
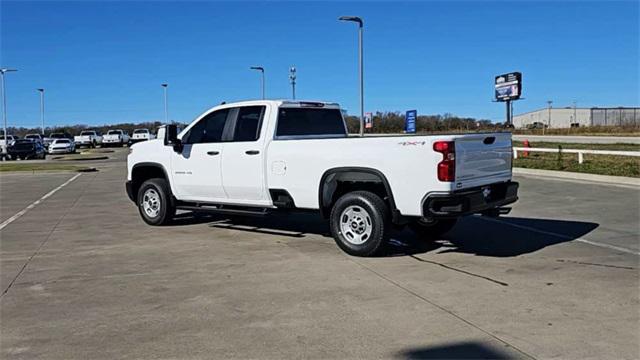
column 578, row 117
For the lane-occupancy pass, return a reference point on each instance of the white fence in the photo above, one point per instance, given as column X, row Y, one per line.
column 580, row 152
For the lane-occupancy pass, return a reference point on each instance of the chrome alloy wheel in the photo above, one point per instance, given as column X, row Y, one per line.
column 355, row 224
column 151, row 202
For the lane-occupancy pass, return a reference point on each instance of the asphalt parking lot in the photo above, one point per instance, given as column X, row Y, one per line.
column 83, row 277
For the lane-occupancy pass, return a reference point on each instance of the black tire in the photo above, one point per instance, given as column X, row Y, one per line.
column 433, row 229
column 378, row 213
column 93, row 144
column 166, row 210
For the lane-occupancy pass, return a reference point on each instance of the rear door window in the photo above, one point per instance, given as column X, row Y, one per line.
column 248, row 123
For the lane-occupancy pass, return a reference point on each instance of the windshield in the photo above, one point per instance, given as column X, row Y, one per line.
column 87, row 133
column 62, row 141
column 114, row 132
column 57, row 136
column 141, row 131
column 32, row 137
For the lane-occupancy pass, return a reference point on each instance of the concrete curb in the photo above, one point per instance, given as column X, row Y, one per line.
column 614, row 180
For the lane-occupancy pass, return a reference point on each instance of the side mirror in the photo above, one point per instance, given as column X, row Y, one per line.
column 171, row 138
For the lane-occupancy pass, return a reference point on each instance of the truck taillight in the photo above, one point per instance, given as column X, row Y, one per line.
column 446, row 167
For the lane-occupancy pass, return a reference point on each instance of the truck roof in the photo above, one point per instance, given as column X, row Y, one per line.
column 281, row 102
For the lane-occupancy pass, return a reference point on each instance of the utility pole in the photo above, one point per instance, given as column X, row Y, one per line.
column 360, row 64
column 549, row 102
column 292, row 78
column 41, row 91
column 261, row 69
column 166, row 103
column 4, row 106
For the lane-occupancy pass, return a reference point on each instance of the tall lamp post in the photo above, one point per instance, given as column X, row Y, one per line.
column 41, row 91
column 261, row 69
column 292, row 78
column 360, row 65
column 4, row 105
column 166, row 102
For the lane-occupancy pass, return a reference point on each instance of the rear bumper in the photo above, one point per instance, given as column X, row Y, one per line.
column 129, row 186
column 470, row 201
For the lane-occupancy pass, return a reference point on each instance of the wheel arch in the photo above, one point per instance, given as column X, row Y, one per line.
column 144, row 171
column 331, row 179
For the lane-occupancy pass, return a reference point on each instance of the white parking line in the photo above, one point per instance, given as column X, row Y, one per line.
column 585, row 241
column 35, row 203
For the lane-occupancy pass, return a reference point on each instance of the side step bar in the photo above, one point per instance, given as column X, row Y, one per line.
column 222, row 210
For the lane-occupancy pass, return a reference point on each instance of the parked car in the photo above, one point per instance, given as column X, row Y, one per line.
column 88, row 138
column 53, row 136
column 26, row 149
column 35, row 137
column 115, row 137
column 141, row 135
column 4, row 144
column 62, row 146
column 257, row 157
column 536, row 125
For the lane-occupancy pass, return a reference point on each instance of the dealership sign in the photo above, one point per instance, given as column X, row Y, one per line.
column 410, row 121
column 508, row 86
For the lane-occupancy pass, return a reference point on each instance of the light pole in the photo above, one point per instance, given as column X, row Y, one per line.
column 360, row 65
column 166, row 103
column 549, row 102
column 4, row 106
column 575, row 118
column 41, row 91
column 261, row 69
column 292, row 78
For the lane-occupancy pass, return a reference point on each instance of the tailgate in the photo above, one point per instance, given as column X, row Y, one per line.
column 483, row 159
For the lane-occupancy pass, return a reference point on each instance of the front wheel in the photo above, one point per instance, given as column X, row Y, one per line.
column 431, row 229
column 359, row 223
column 154, row 202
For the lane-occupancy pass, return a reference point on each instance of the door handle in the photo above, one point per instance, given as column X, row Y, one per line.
column 213, row 153
column 252, row 152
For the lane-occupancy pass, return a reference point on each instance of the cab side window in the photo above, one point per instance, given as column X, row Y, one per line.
column 209, row 129
column 248, row 123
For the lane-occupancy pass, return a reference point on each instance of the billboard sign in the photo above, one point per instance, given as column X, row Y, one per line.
column 508, row 86
column 410, row 121
column 368, row 120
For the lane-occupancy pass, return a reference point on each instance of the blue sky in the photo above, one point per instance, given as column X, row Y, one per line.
column 103, row 62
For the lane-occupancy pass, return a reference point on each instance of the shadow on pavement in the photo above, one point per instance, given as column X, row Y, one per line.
column 463, row 350
column 472, row 234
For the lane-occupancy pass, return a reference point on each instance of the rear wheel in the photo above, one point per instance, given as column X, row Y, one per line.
column 359, row 223
column 154, row 202
column 430, row 229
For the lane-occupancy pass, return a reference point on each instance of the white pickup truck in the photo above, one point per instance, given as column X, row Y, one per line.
column 89, row 138
column 115, row 137
column 141, row 135
column 257, row 157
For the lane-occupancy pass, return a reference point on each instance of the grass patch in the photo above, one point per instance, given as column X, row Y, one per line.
column 13, row 166
column 554, row 145
column 79, row 157
column 593, row 164
column 587, row 131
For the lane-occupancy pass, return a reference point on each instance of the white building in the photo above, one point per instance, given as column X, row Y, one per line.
column 577, row 117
